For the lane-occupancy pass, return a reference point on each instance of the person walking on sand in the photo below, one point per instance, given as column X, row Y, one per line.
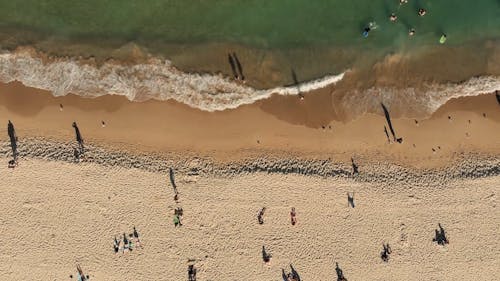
column 293, row 216
column 260, row 216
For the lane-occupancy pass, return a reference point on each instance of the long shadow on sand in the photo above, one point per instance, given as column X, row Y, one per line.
column 13, row 139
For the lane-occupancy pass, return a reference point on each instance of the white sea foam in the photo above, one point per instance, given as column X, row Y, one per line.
column 414, row 102
column 155, row 79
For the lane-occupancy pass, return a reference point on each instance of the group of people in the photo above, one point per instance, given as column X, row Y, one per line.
column 393, row 18
column 127, row 244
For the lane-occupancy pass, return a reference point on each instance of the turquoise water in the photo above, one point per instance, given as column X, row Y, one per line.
column 310, row 37
column 263, row 24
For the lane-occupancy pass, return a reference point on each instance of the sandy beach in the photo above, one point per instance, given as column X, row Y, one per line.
column 61, row 214
column 226, row 140
column 279, row 153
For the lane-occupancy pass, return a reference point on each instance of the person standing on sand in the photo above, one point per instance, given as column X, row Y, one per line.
column 125, row 244
column 191, row 273
column 293, row 217
column 136, row 236
column 260, row 216
column 116, row 245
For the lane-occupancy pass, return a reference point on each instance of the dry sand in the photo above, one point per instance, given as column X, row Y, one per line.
column 57, row 212
column 56, row 215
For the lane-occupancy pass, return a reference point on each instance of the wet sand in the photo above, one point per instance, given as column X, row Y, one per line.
column 278, row 126
column 275, row 153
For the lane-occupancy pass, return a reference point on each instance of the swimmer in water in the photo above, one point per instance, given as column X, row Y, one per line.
column 401, row 2
column 393, row 17
column 411, row 32
column 422, row 12
column 442, row 40
column 371, row 26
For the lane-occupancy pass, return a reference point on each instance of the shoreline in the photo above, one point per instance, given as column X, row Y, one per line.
column 280, row 127
column 400, row 80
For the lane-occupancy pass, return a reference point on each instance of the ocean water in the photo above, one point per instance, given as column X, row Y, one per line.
column 183, row 46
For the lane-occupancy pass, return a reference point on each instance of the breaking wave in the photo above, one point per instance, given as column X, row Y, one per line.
column 155, row 79
column 160, row 80
column 413, row 101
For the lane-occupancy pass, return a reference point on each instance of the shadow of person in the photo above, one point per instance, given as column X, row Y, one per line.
column 284, row 275
column 355, row 169
column 79, row 138
column 233, row 66
column 295, row 274
column 350, row 199
column 172, row 179
column 440, row 236
column 266, row 257
column 238, row 65
column 296, row 84
column 497, row 94
column 13, row 139
column 391, row 128
column 340, row 273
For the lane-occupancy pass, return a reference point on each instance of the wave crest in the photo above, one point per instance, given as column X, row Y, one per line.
column 155, row 79
column 412, row 101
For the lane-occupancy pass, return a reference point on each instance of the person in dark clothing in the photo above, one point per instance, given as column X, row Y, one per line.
column 385, row 252
column 191, row 273
column 260, row 216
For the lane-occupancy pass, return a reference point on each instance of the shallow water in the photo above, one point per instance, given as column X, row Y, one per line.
column 273, row 39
